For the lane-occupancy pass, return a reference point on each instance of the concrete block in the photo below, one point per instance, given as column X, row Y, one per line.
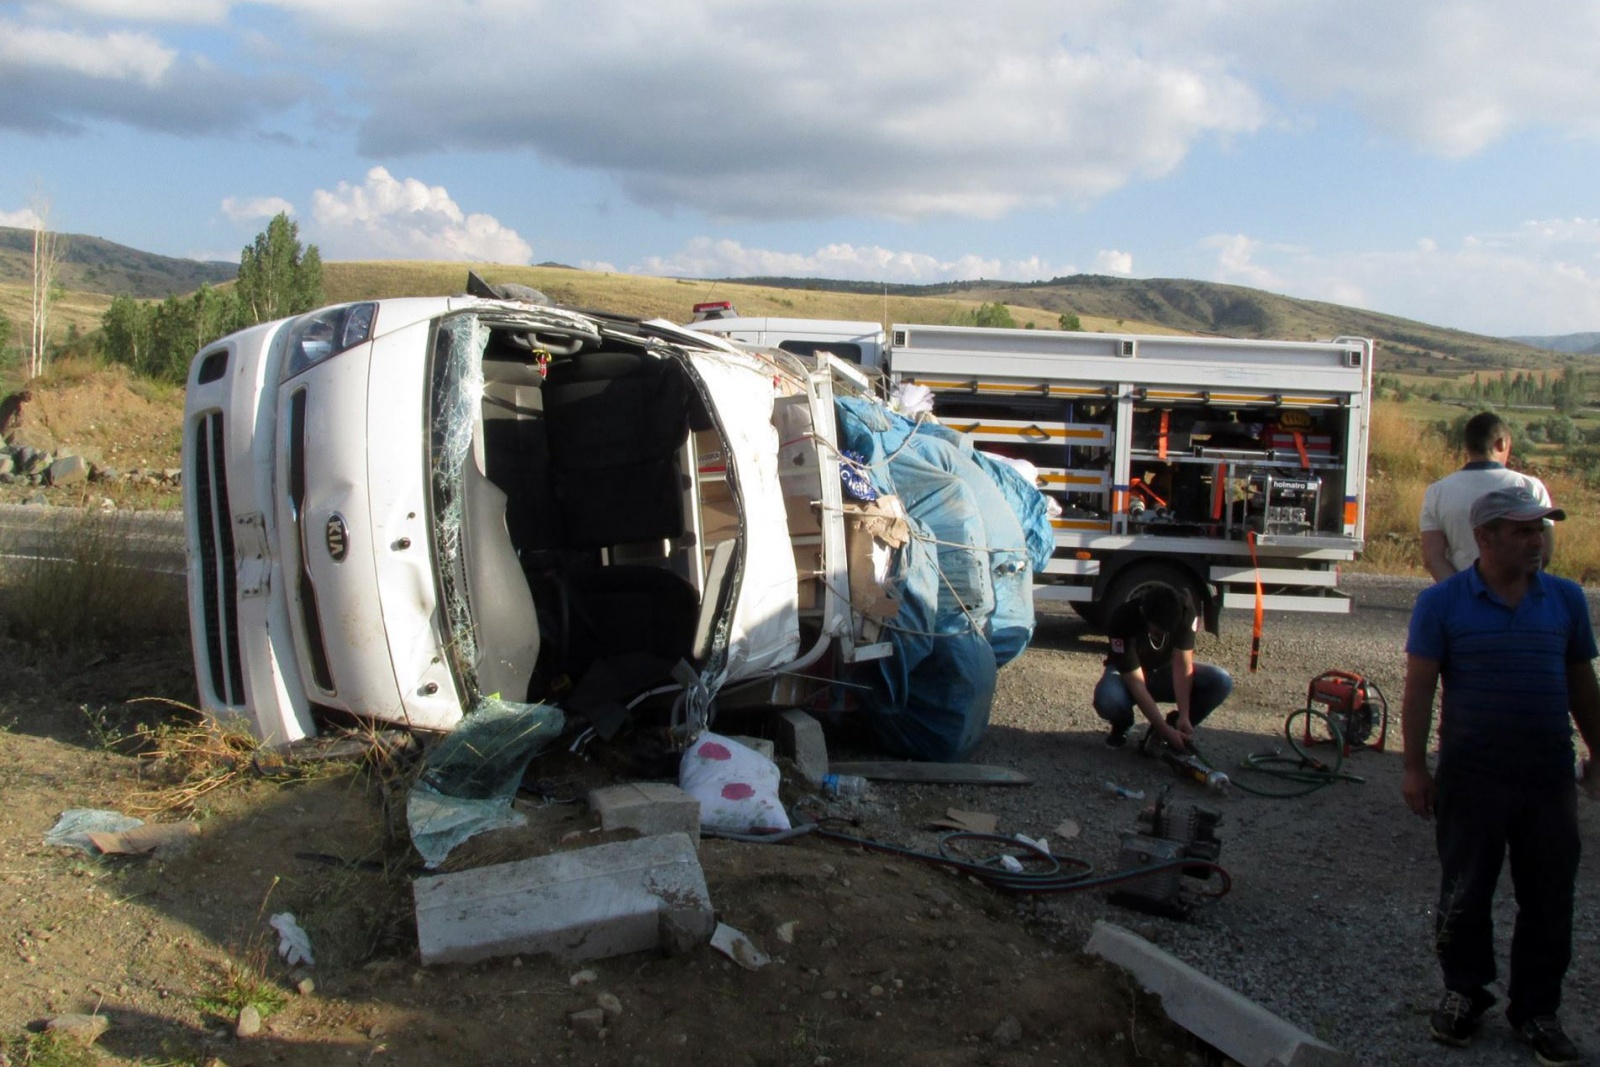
column 1234, row 1024
column 758, row 744
column 800, row 738
column 588, row 904
column 648, row 807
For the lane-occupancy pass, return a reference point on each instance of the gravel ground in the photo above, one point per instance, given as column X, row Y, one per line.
column 1330, row 919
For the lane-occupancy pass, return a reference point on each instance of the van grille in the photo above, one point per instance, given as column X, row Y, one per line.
column 310, row 618
column 214, row 521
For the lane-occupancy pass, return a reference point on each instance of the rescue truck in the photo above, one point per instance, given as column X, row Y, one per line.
column 1234, row 469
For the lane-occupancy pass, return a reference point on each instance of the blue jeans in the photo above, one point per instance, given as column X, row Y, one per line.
column 1114, row 704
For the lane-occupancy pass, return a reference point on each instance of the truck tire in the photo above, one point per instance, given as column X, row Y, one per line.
column 1132, row 583
column 1090, row 611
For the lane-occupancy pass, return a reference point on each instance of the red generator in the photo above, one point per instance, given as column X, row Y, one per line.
column 1353, row 705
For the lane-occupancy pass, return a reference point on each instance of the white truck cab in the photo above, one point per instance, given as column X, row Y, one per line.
column 861, row 343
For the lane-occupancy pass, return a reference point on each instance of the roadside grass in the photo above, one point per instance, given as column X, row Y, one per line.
column 82, row 593
column 243, row 983
column 48, row 1049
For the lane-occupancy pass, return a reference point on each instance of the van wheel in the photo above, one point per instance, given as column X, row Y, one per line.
column 1134, row 582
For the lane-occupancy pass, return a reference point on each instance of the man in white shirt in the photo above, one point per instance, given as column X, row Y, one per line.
column 1447, row 542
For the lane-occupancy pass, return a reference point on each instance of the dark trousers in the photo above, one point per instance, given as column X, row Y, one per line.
column 1113, row 702
column 1478, row 822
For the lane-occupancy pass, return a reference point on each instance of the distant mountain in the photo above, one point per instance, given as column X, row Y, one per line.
column 1581, row 344
column 1229, row 311
column 95, row 265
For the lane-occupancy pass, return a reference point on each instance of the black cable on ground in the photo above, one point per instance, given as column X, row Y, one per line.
column 1041, row 873
column 1302, row 773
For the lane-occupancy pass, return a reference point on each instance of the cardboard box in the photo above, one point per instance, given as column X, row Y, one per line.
column 719, row 515
column 872, row 532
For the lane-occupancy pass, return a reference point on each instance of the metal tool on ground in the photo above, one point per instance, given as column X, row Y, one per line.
column 1167, row 835
column 1188, row 765
column 931, row 773
column 1185, row 764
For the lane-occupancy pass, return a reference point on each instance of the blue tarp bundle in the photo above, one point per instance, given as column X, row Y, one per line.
column 978, row 531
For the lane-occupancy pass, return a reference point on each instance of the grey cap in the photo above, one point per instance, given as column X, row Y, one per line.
column 1514, row 502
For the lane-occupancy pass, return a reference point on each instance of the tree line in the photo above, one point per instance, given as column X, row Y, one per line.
column 1565, row 392
column 157, row 339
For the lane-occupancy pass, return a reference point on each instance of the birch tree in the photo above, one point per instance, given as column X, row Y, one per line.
column 46, row 257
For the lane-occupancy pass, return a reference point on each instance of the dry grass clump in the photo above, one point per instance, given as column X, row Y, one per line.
column 189, row 760
column 84, row 590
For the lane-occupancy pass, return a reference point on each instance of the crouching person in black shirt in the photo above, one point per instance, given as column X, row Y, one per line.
column 1151, row 661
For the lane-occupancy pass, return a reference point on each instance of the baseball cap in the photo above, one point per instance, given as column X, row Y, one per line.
column 1514, row 502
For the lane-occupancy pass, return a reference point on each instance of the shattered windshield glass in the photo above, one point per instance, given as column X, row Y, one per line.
column 454, row 400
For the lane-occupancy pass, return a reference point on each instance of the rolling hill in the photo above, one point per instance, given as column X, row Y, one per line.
column 1220, row 310
column 1586, row 344
column 93, row 269
column 95, row 265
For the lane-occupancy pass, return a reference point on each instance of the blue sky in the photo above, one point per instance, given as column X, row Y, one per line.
column 1435, row 160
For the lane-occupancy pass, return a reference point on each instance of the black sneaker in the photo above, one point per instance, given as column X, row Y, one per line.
column 1549, row 1042
column 1458, row 1016
column 1118, row 736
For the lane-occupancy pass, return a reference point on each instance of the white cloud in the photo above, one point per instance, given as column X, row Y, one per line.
column 23, row 218
column 799, row 110
column 117, row 56
column 822, row 108
column 389, row 218
column 1446, row 76
column 707, row 257
column 1540, row 278
column 1235, row 262
column 181, row 11
column 251, row 208
column 1111, row 261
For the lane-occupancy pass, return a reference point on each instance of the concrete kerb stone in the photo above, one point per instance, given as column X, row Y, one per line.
column 800, row 738
column 591, row 903
column 1223, row 1018
column 648, row 807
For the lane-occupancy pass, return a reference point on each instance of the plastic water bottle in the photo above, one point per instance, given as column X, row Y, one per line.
column 844, row 785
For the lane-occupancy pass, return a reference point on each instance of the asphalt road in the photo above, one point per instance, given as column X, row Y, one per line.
column 149, row 540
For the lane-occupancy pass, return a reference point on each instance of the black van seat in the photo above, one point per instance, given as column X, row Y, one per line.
column 516, row 456
column 617, row 421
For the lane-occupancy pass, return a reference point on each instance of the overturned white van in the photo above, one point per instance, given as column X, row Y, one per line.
column 397, row 508
column 400, row 511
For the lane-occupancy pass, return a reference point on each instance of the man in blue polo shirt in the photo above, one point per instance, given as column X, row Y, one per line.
column 1514, row 647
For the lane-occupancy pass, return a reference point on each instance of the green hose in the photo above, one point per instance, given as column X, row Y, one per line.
column 1302, row 773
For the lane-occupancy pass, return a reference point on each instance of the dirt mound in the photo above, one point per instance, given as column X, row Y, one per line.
column 102, row 414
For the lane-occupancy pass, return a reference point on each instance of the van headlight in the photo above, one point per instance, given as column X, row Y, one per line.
column 324, row 334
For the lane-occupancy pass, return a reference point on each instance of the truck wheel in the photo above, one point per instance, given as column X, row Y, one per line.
column 1139, row 578
column 1090, row 612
